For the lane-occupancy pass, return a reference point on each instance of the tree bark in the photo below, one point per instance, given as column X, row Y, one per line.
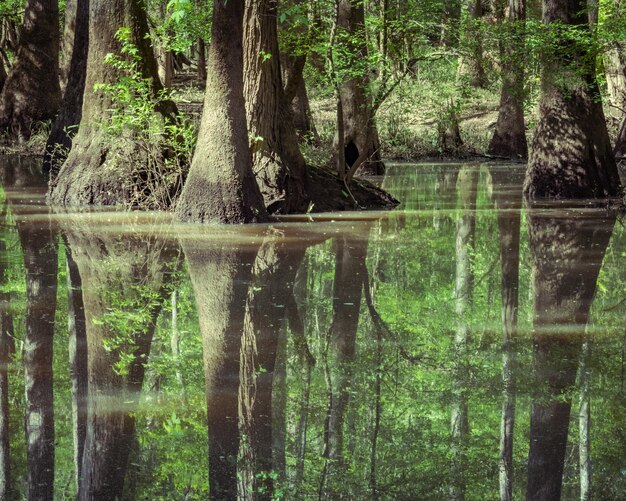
column 360, row 131
column 567, row 255
column 508, row 207
column 78, row 355
column 39, row 243
column 467, row 186
column 509, row 137
column 221, row 186
column 65, row 125
column 350, row 254
column 571, row 154
column 221, row 275
column 278, row 164
column 118, row 274
column 99, row 170
column 32, row 93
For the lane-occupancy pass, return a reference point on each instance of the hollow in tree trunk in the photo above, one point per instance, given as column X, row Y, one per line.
column 32, row 93
column 221, row 186
column 360, row 131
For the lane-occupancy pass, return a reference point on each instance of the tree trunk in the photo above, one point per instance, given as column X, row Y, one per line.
column 65, row 125
column 39, row 243
column 347, row 289
column 467, row 186
column 471, row 67
column 274, row 273
column 67, row 42
column 508, row 206
column 221, row 185
column 98, row 169
column 221, row 276
column 279, row 166
column 202, row 72
column 78, row 360
column 119, row 274
column 360, row 131
column 567, row 256
column 571, row 154
column 509, row 137
column 6, row 335
column 32, row 93
column 615, row 72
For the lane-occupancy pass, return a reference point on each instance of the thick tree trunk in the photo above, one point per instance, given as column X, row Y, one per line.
column 509, row 136
column 65, row 126
column 467, row 186
column 40, row 259
column 118, row 274
column 221, row 275
column 279, row 166
column 78, row 360
column 571, row 154
column 221, row 186
column 100, row 170
column 67, row 42
column 567, row 256
column 32, row 93
column 615, row 73
column 360, row 131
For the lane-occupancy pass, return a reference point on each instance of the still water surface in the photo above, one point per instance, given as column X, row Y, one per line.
column 459, row 347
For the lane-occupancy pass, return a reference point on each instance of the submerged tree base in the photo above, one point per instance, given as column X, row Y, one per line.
column 329, row 193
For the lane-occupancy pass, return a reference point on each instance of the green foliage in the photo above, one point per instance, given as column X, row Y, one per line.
column 137, row 116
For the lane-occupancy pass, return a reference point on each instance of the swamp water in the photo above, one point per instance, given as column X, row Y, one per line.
column 378, row 355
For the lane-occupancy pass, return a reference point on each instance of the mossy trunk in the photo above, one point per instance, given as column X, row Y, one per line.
column 278, row 164
column 101, row 169
column 571, row 154
column 221, row 186
column 32, row 93
column 65, row 126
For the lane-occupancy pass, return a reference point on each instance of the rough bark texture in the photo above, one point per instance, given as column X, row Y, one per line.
column 100, row 170
column 567, row 252
column 221, row 185
column 65, row 125
column 221, row 275
column 32, row 93
column 67, row 42
column 509, row 136
column 571, row 154
column 278, row 164
column 615, row 73
column 115, row 270
column 40, row 260
column 360, row 131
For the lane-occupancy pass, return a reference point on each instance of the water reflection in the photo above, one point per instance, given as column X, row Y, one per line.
column 377, row 357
